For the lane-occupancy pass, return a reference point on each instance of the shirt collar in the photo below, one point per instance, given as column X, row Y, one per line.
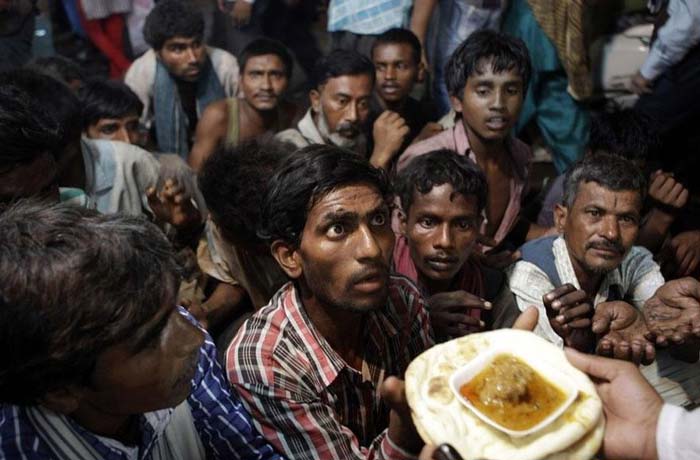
column 307, row 128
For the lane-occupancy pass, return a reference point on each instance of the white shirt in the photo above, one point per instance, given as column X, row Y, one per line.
column 677, row 434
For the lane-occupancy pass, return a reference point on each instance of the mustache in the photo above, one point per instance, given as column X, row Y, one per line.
column 606, row 245
column 348, row 127
column 372, row 270
column 442, row 258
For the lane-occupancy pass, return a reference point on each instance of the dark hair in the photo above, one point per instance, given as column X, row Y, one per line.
column 305, row 178
column 439, row 167
column 401, row 37
column 233, row 181
column 501, row 51
column 263, row 46
column 341, row 62
column 107, row 99
column 27, row 129
column 73, row 283
column 58, row 67
column 610, row 171
column 629, row 133
column 172, row 18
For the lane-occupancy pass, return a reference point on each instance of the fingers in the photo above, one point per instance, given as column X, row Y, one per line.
column 562, row 290
column 457, row 301
column 569, row 299
column 393, row 392
column 527, row 319
column 580, row 313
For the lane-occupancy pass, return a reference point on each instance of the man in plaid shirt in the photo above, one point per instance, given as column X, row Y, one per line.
column 313, row 367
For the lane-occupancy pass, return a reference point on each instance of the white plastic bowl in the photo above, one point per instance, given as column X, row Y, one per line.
column 466, row 373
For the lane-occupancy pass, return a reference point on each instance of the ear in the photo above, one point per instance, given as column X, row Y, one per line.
column 288, row 258
column 560, row 214
column 420, row 78
column 456, row 104
column 65, row 400
column 315, row 99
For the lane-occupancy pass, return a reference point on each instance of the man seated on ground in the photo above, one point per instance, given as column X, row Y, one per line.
column 443, row 196
column 594, row 265
column 179, row 76
column 103, row 363
column 266, row 68
column 111, row 111
column 242, row 275
column 312, row 364
column 396, row 55
column 487, row 77
column 339, row 112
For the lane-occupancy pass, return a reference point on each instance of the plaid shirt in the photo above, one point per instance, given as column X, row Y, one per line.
column 304, row 398
column 222, row 424
column 368, row 16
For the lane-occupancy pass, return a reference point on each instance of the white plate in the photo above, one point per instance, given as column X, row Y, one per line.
column 466, row 373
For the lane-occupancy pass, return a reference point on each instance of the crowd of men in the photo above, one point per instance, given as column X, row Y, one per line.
column 192, row 265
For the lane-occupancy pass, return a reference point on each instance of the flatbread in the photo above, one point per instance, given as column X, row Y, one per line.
column 440, row 417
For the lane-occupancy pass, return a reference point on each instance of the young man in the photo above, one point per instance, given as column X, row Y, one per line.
column 266, row 70
column 179, row 76
column 111, row 111
column 595, row 265
column 339, row 112
column 103, row 363
column 396, row 55
column 443, row 196
column 487, row 76
column 312, row 364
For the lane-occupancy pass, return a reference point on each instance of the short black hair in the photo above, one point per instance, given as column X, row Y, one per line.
column 27, row 129
column 501, row 51
column 439, row 167
column 59, row 67
column 73, row 283
column 341, row 62
column 53, row 97
column 608, row 170
column 399, row 36
column 107, row 99
column 305, row 178
column 233, row 181
column 172, row 18
column 263, row 46
column 628, row 132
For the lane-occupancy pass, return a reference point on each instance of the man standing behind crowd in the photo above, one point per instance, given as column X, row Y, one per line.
column 266, row 68
column 179, row 77
column 313, row 364
column 344, row 81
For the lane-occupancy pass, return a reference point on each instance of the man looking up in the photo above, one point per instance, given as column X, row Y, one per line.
column 312, row 364
column 443, row 196
column 103, row 363
column 344, row 81
column 179, row 77
column 111, row 111
column 266, row 68
column 595, row 265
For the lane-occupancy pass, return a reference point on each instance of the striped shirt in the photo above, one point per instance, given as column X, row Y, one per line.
column 304, row 397
column 222, row 427
column 367, row 17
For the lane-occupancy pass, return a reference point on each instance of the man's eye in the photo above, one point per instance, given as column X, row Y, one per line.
column 482, row 91
column 464, row 225
column 427, row 222
column 108, row 129
column 594, row 212
column 336, row 230
column 379, row 220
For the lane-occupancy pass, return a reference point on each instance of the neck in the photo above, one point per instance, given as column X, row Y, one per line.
column 590, row 282
column 123, row 428
column 394, row 106
column 486, row 151
column 435, row 286
column 262, row 120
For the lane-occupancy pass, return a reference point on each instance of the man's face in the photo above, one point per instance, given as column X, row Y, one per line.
column 491, row 103
column 125, row 129
column 37, row 179
column 263, row 81
column 184, row 57
column 441, row 228
column 345, row 249
column 600, row 227
column 156, row 376
column 397, row 71
column 342, row 108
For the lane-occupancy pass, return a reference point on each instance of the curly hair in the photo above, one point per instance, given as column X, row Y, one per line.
column 172, row 18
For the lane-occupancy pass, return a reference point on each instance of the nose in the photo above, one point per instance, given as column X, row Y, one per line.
column 498, row 100
column 191, row 55
column 351, row 112
column 266, row 83
column 390, row 73
column 610, row 229
column 367, row 246
column 444, row 237
column 122, row 135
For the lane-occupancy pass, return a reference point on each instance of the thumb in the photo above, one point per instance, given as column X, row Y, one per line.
column 602, row 318
column 527, row 319
column 393, row 391
column 594, row 366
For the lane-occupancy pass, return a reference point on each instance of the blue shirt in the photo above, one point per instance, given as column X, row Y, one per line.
column 222, row 424
column 368, row 17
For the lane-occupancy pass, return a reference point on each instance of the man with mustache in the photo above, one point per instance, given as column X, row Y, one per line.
column 266, row 69
column 340, row 100
column 179, row 76
column 314, row 365
column 594, row 266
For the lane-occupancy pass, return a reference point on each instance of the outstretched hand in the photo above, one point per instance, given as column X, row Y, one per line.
column 622, row 333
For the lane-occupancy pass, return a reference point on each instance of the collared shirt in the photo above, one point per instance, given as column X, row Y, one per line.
column 677, row 434
column 456, row 139
column 675, row 38
column 368, row 17
column 212, row 422
column 304, row 397
column 636, row 279
column 307, row 133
